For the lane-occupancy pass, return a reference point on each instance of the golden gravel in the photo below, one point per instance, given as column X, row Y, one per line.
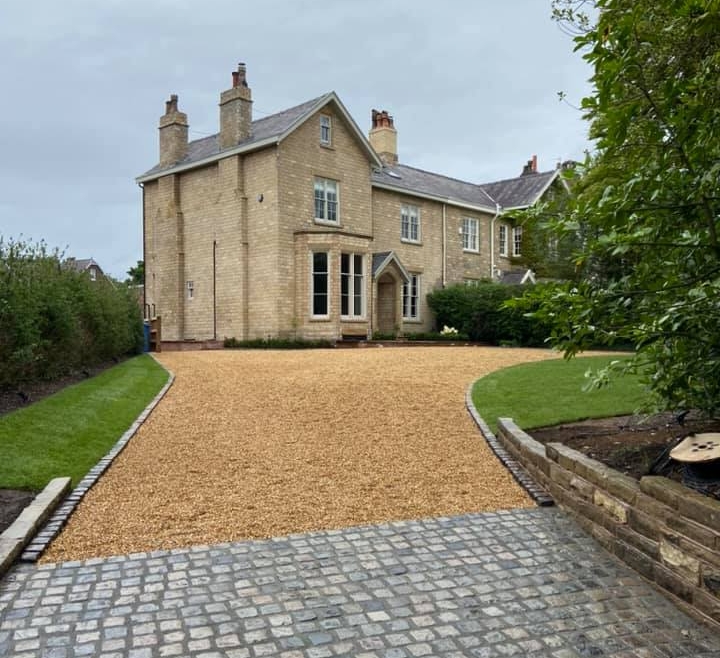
column 250, row 444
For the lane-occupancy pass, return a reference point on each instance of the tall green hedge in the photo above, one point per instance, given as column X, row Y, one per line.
column 481, row 312
column 55, row 320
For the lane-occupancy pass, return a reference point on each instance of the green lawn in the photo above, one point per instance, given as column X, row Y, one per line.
column 67, row 433
column 550, row 392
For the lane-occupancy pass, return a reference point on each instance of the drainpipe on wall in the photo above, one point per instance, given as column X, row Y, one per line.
column 444, row 246
column 498, row 210
column 214, row 289
column 145, row 306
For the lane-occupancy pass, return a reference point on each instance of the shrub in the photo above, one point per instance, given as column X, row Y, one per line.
column 54, row 320
column 482, row 314
column 384, row 335
column 437, row 336
column 276, row 343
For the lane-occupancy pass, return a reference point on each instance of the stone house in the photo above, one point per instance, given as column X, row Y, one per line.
column 94, row 271
column 298, row 225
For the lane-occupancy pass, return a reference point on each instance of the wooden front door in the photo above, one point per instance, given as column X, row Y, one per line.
column 386, row 304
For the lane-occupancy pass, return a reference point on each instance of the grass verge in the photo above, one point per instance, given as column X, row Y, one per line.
column 67, row 433
column 551, row 392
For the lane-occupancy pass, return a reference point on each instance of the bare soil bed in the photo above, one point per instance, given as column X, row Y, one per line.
column 250, row 444
column 629, row 444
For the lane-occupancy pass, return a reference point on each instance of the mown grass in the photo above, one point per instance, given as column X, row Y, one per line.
column 551, row 392
column 67, row 433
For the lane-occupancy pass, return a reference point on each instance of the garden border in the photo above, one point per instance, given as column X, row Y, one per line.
column 52, row 527
column 664, row 531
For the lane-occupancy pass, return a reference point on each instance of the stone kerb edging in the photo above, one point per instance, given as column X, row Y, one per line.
column 666, row 532
column 537, row 493
column 20, row 532
column 43, row 538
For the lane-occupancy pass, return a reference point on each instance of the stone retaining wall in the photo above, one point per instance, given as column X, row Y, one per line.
column 663, row 530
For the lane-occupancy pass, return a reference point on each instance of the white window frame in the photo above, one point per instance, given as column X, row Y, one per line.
column 355, row 286
column 409, row 313
column 323, row 186
column 517, row 240
column 503, row 239
column 190, row 287
column 409, row 220
column 471, row 238
column 325, row 130
column 313, row 293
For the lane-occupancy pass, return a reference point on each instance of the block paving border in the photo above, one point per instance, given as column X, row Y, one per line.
column 523, row 478
column 55, row 523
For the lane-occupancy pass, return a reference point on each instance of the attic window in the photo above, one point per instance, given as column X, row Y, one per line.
column 325, row 130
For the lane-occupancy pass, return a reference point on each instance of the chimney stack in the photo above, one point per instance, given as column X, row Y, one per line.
column 383, row 137
column 173, row 133
column 235, row 110
column 530, row 167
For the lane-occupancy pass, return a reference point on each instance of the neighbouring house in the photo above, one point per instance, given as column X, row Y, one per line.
column 94, row 271
column 298, row 225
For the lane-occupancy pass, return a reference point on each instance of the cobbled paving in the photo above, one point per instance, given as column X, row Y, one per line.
column 523, row 583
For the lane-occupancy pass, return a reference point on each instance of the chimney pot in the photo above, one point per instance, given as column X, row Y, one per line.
column 235, row 110
column 534, row 164
column 383, row 136
column 173, row 133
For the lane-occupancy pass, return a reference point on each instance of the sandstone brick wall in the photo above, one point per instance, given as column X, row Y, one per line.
column 465, row 265
column 255, row 214
column 302, row 158
column 663, row 530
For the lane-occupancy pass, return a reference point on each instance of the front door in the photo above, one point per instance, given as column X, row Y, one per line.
column 386, row 304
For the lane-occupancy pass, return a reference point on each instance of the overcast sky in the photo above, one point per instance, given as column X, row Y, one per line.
column 472, row 85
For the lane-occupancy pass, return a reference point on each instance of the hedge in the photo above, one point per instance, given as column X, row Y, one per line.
column 481, row 312
column 54, row 320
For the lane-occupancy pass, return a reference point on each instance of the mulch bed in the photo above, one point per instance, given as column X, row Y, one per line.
column 12, row 502
column 26, row 394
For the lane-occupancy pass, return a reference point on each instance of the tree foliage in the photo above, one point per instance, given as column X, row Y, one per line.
column 649, row 204
column 136, row 274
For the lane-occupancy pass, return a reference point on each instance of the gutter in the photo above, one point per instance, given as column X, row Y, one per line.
column 432, row 197
column 255, row 146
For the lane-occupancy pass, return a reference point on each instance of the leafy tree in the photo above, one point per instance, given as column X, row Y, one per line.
column 650, row 202
column 136, row 274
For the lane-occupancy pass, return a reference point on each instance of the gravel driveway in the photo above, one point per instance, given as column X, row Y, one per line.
column 250, row 444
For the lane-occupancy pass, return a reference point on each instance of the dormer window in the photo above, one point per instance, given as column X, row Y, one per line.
column 325, row 130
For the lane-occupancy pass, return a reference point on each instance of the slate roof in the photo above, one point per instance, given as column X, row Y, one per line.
column 268, row 127
column 426, row 182
column 81, row 264
column 517, row 192
column 383, row 258
column 522, row 191
column 517, row 277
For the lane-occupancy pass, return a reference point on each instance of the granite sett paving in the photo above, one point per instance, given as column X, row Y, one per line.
column 524, row 583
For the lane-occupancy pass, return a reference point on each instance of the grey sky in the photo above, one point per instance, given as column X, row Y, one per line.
column 472, row 85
